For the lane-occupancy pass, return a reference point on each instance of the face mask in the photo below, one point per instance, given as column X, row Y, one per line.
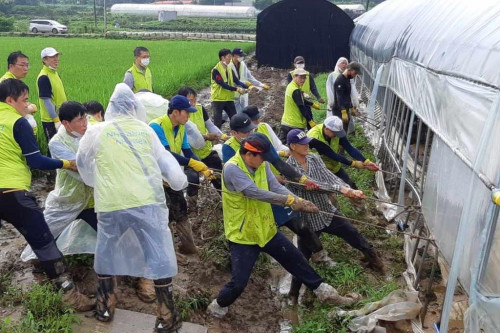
column 52, row 68
column 301, row 66
column 225, row 63
column 145, row 62
column 240, row 59
column 75, row 133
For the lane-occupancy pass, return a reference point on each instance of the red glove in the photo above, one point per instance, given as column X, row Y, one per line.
column 310, row 185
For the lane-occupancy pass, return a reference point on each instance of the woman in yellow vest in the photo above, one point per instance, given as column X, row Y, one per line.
column 51, row 92
column 139, row 77
column 125, row 163
column 223, row 85
column 309, row 86
column 18, row 153
column 249, row 189
column 329, row 136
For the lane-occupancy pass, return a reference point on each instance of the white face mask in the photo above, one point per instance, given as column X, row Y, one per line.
column 52, row 68
column 300, row 66
column 145, row 62
column 75, row 133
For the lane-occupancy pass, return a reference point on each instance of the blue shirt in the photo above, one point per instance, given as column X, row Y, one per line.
column 163, row 139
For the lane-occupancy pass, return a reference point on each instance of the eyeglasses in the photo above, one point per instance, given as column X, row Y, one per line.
column 23, row 65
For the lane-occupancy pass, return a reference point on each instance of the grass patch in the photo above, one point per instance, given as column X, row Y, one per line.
column 80, row 260
column 193, row 303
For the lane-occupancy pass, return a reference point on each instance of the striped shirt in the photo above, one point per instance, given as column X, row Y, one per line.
column 317, row 171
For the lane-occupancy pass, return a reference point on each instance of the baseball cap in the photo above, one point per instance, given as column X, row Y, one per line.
column 252, row 112
column 299, row 71
column 297, row 136
column 334, row 124
column 241, row 123
column 49, row 52
column 257, row 143
column 238, row 52
column 179, row 102
column 298, row 59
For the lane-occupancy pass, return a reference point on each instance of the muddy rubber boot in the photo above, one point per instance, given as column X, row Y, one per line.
column 192, row 203
column 322, row 257
column 216, row 310
column 327, row 294
column 167, row 318
column 106, row 299
column 145, row 290
column 373, row 260
column 185, row 235
column 73, row 297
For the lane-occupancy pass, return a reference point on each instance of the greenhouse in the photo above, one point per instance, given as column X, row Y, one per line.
column 433, row 89
column 185, row 10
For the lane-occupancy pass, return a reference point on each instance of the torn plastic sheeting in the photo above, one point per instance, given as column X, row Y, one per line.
column 398, row 305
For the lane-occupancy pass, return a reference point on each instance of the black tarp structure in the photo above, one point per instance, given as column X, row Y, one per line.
column 315, row 29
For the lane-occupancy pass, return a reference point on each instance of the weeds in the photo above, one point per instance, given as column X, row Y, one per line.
column 194, row 303
column 80, row 260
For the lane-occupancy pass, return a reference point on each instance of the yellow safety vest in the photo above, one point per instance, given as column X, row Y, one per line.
column 8, row 75
column 317, row 133
column 58, row 94
column 91, row 120
column 306, row 87
column 175, row 142
column 217, row 93
column 141, row 80
column 248, row 221
column 291, row 114
column 136, row 179
column 262, row 128
column 233, row 143
column 197, row 119
column 14, row 171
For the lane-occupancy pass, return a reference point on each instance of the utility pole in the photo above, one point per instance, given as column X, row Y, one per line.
column 105, row 19
column 95, row 15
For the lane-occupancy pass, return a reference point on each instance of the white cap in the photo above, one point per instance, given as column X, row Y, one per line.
column 334, row 124
column 49, row 52
column 299, row 71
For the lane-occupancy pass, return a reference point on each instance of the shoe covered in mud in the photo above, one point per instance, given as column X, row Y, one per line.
column 216, row 310
column 78, row 301
column 322, row 257
column 372, row 260
column 145, row 290
column 167, row 318
column 106, row 299
column 327, row 294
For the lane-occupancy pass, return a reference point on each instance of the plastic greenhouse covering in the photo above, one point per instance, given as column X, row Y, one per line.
column 185, row 10
column 442, row 59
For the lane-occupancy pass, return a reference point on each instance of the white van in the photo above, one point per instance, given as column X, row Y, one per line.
column 51, row 26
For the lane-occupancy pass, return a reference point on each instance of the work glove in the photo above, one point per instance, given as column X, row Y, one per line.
column 306, row 95
column 265, row 86
column 308, row 183
column 32, row 108
column 345, row 116
column 224, row 137
column 211, row 137
column 315, row 106
column 301, row 205
column 353, row 111
column 69, row 165
column 321, row 100
column 284, row 153
column 311, row 123
column 241, row 90
column 495, row 196
column 353, row 194
column 358, row 164
column 370, row 165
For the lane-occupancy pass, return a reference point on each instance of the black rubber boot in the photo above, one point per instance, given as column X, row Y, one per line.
column 106, row 298
column 168, row 320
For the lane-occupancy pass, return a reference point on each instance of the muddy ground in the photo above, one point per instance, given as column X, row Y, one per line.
column 257, row 310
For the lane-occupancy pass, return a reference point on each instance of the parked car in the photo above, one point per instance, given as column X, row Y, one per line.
column 54, row 27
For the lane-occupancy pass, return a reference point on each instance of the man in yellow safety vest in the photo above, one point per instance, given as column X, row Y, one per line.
column 139, row 77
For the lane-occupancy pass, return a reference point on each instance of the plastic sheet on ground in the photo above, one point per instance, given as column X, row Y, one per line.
column 398, row 305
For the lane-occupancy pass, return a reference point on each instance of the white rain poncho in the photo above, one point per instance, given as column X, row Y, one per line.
column 154, row 104
column 329, row 88
column 123, row 159
column 194, row 136
column 70, row 195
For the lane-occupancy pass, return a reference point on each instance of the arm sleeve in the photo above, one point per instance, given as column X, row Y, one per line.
column 50, row 107
column 355, row 154
column 184, row 161
column 250, row 76
column 342, row 93
column 205, row 114
column 171, row 171
column 129, row 80
column 227, row 153
column 324, row 149
column 305, row 110
column 289, row 78
column 59, row 150
column 193, row 137
column 238, row 82
column 237, row 181
column 329, row 90
column 44, row 87
column 23, row 134
column 274, row 184
column 212, row 128
column 275, row 141
column 188, row 153
column 159, row 132
column 218, row 79
column 314, row 89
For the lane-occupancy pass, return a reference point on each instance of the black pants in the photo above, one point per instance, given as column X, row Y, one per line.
column 49, row 129
column 339, row 227
column 89, row 215
column 342, row 174
column 306, row 235
column 284, row 132
column 20, row 209
column 243, row 259
column 218, row 107
column 176, row 204
column 213, row 162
